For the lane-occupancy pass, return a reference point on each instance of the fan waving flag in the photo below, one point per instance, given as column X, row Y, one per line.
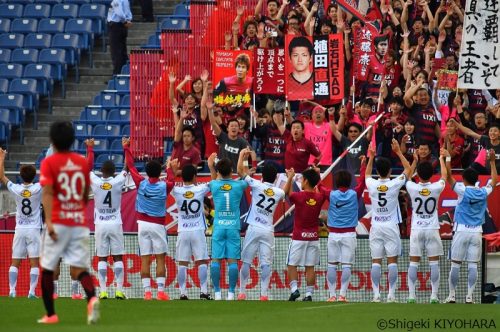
column 367, row 11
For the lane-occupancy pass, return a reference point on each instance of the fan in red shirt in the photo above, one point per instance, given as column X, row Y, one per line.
column 304, row 248
column 65, row 178
column 299, row 149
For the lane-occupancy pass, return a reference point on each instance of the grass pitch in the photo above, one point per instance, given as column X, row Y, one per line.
column 20, row 314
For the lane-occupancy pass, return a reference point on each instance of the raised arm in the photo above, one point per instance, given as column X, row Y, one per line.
column 465, row 130
column 178, row 127
column 242, row 168
column 211, row 165
column 333, row 125
column 361, row 184
column 90, row 153
column 211, row 117
column 282, row 9
column 180, row 86
column 371, row 158
column 258, row 10
column 129, row 161
column 446, row 155
column 406, row 164
column 410, row 93
column 204, row 96
column 171, row 91
column 442, row 165
column 491, row 157
column 290, row 173
column 3, row 178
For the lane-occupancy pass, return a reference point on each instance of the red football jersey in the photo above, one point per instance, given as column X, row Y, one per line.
column 307, row 209
column 68, row 173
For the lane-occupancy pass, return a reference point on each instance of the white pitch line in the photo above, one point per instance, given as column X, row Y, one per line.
column 325, row 306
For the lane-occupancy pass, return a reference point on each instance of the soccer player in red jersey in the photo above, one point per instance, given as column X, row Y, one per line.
column 65, row 178
column 304, row 248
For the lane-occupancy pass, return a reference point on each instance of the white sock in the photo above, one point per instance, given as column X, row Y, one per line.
column 412, row 278
column 13, row 272
column 375, row 274
column 203, row 275
column 74, row 287
column 102, row 271
column 181, row 278
column 453, row 278
column 393, row 278
column 146, row 284
column 331, row 278
column 118, row 269
column 472, row 278
column 345, row 279
column 293, row 286
column 34, row 273
column 244, row 274
column 435, row 276
column 265, row 275
column 161, row 284
column 309, row 290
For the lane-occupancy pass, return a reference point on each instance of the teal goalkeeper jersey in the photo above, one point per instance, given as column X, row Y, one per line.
column 227, row 195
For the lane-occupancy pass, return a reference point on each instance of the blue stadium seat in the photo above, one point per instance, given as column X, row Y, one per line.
column 24, row 25
column 50, row 2
column 122, row 84
column 42, row 74
column 119, row 116
column 126, row 69
column 117, row 159
column 78, row 2
column 51, row 25
column 69, row 42
column 181, row 10
column 22, row 2
column 104, row 2
column 56, row 58
column 83, row 28
column 97, row 13
column 101, row 146
column 107, row 99
column 38, row 40
column 37, row 10
column 65, row 11
column 5, row 55
column 11, row 10
column 111, row 84
column 106, row 131
column 11, row 40
column 93, row 115
column 174, row 23
column 116, row 146
column 154, row 41
column 5, row 123
column 11, row 70
column 125, row 101
column 14, row 103
column 125, row 130
column 27, row 88
column 24, row 55
column 4, row 85
column 4, row 25
column 82, row 130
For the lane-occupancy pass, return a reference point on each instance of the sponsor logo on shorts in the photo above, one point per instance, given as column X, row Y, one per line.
column 309, row 235
column 226, row 187
column 311, row 202
column 107, row 218
column 188, row 194
column 26, row 193
column 382, row 188
column 425, row 192
column 382, row 218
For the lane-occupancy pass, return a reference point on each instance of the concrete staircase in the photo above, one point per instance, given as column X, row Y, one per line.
column 79, row 95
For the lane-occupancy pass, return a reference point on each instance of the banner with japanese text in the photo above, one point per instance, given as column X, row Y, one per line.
column 480, row 48
column 233, row 79
column 363, row 50
column 269, row 71
column 447, row 79
column 328, row 67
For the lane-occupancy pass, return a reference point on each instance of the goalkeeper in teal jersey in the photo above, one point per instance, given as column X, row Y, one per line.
column 226, row 194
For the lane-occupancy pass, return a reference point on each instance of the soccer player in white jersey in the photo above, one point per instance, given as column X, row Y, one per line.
column 28, row 224
column 107, row 191
column 425, row 224
column 386, row 216
column 191, row 240
column 469, row 219
column 260, row 232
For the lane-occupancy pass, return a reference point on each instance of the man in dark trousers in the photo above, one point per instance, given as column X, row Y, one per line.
column 147, row 10
column 119, row 20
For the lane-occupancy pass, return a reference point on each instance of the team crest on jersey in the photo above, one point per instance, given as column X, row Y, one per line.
column 425, row 192
column 106, row 186
column 269, row 192
column 226, row 187
column 383, row 188
column 26, row 193
column 188, row 194
column 311, row 202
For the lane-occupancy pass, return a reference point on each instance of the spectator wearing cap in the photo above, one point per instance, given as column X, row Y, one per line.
column 299, row 149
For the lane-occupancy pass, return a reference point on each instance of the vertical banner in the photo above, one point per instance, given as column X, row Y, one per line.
column 329, row 67
column 480, row 48
column 232, row 73
column 363, row 51
column 299, row 80
column 269, row 71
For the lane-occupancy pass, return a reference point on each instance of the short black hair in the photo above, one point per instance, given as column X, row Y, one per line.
column 397, row 100
column 355, row 125
column 224, row 167
column 232, row 120
column 62, row 135
column 190, row 129
column 108, row 168
column 367, row 101
column 188, row 173
column 275, row 1
column 27, row 173
column 153, row 168
column 299, row 122
column 495, row 125
column 311, row 176
column 470, row 175
column 425, row 170
column 269, row 173
column 343, row 179
column 383, row 166
column 300, row 41
column 377, row 40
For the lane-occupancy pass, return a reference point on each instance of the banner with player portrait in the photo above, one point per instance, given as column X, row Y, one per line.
column 269, row 71
column 328, row 67
column 480, row 47
column 299, row 80
column 233, row 79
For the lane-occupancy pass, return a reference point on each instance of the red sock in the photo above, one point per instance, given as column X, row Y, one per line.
column 47, row 291
column 87, row 284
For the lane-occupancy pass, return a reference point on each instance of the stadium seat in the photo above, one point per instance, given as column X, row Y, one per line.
column 24, row 55
column 125, row 130
column 181, row 10
column 5, row 123
column 117, row 159
column 106, row 131
column 65, row 11
column 4, row 85
column 11, row 70
column 22, row 2
column 101, row 145
column 78, row 2
column 38, row 40
column 24, row 25
column 154, row 41
column 111, row 84
column 5, row 55
column 173, row 23
column 125, row 101
column 107, row 99
column 126, row 69
column 119, row 116
column 11, row 40
column 51, row 25
column 14, row 103
column 103, row 2
column 69, row 42
column 56, row 58
column 116, row 146
column 93, row 115
column 50, row 2
column 97, row 13
column 37, row 10
column 82, row 130
column 42, row 73
column 83, row 28
column 122, row 84
column 27, row 88
column 11, row 10
column 4, row 25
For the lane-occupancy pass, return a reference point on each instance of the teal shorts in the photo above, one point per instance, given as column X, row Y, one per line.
column 226, row 243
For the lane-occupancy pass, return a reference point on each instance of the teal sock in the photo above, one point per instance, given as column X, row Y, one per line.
column 215, row 275
column 233, row 276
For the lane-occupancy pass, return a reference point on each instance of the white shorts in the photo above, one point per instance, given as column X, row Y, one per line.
column 428, row 239
column 385, row 241
column 191, row 243
column 152, row 238
column 261, row 240
column 342, row 247
column 466, row 247
column 72, row 245
column 303, row 253
column 109, row 239
column 26, row 242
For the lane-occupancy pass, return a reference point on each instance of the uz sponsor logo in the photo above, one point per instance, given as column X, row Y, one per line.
column 226, row 222
column 309, row 235
column 190, row 224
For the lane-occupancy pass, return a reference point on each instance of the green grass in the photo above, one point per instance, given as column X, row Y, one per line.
column 20, row 314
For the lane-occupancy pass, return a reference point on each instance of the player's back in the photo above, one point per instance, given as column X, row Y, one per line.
column 307, row 209
column 471, row 206
column 189, row 200
column 265, row 200
column 28, row 199
column 343, row 209
column 227, row 195
column 384, row 198
column 424, row 200
column 68, row 174
column 107, row 198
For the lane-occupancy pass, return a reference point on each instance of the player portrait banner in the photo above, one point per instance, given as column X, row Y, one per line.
column 299, row 79
column 269, row 64
column 480, row 47
column 447, row 79
column 328, row 67
column 232, row 74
